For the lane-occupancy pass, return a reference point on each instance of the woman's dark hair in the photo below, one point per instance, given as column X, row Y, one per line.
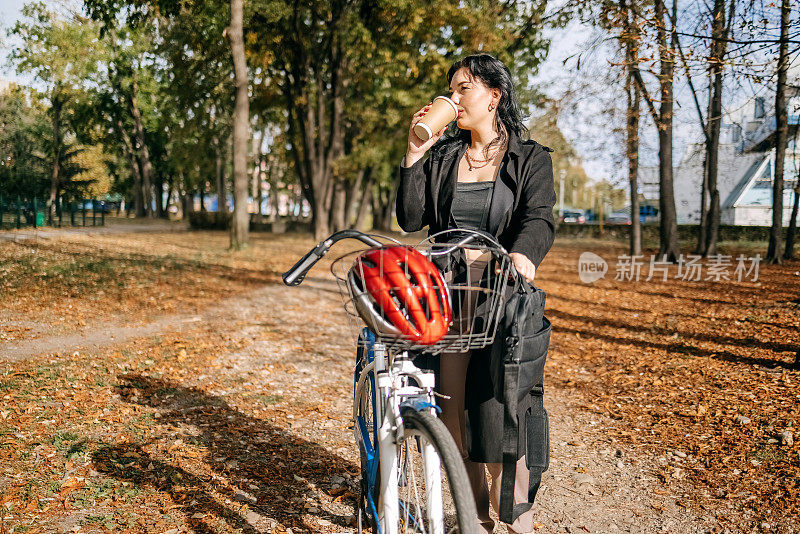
column 494, row 75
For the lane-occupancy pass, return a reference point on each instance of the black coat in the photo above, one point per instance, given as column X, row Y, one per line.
column 521, row 217
column 521, row 213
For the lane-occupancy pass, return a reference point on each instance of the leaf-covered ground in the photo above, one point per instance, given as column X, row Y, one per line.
column 702, row 372
column 78, row 279
column 238, row 421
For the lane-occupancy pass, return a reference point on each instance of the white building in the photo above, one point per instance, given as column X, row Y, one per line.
column 746, row 168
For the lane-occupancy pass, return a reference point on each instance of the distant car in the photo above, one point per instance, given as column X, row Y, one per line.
column 574, row 217
column 648, row 213
column 97, row 205
column 619, row 217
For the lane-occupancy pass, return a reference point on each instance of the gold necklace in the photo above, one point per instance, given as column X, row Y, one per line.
column 474, row 165
column 472, row 162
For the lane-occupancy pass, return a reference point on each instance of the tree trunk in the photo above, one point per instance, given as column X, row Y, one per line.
column 774, row 254
column 669, row 220
column 159, row 196
column 222, row 194
column 274, row 175
column 702, row 234
column 172, row 194
column 339, row 207
column 719, row 48
column 382, row 208
column 375, row 200
column 316, row 129
column 202, row 196
column 325, row 185
column 360, row 222
column 632, row 135
column 127, row 145
column 241, row 124
column 788, row 253
column 188, row 205
column 144, row 152
column 262, row 163
column 354, row 192
column 55, row 175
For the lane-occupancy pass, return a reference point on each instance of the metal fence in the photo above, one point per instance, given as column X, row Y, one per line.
column 21, row 212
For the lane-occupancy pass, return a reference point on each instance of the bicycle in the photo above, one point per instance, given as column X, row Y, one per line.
column 412, row 476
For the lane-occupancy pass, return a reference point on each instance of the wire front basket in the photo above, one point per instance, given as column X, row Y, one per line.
column 476, row 277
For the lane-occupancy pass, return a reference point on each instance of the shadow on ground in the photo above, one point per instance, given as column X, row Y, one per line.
column 279, row 470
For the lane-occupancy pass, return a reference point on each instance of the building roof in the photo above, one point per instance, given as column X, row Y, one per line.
column 755, row 170
column 763, row 138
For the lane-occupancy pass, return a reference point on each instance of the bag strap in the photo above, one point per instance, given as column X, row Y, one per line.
column 535, row 471
column 523, row 286
column 509, row 512
column 510, row 433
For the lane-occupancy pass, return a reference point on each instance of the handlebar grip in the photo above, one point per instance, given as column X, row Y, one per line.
column 295, row 275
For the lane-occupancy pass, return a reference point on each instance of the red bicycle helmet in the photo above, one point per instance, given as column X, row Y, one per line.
column 399, row 292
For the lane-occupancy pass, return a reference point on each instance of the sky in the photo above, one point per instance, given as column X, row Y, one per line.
column 9, row 10
column 9, row 13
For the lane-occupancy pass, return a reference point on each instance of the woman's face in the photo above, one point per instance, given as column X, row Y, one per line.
column 473, row 99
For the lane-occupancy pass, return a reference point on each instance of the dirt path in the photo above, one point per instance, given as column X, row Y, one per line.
column 114, row 225
column 292, row 345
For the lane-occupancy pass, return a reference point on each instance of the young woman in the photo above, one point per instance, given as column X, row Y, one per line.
column 485, row 177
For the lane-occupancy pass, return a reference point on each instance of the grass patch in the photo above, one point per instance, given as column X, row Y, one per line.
column 46, row 373
column 76, row 449
column 754, row 246
column 70, row 444
column 267, row 399
column 76, row 269
column 9, row 384
column 139, row 425
column 105, row 520
column 63, row 439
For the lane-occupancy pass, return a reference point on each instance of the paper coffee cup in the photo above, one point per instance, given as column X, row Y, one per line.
column 443, row 111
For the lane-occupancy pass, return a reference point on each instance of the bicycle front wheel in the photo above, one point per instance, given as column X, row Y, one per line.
column 433, row 488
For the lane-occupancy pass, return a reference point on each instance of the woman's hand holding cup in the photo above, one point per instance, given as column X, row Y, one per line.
column 416, row 145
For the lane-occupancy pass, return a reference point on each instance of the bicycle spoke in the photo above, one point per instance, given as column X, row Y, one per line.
column 419, row 523
column 416, row 492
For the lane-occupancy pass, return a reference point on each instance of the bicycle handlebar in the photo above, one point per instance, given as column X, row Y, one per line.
column 297, row 273
column 474, row 235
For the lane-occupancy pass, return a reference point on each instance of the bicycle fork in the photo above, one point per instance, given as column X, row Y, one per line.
column 405, row 386
column 388, row 429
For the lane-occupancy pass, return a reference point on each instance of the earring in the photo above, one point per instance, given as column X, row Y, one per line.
column 491, row 107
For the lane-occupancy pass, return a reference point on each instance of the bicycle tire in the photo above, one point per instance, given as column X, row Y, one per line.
column 458, row 502
column 367, row 440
